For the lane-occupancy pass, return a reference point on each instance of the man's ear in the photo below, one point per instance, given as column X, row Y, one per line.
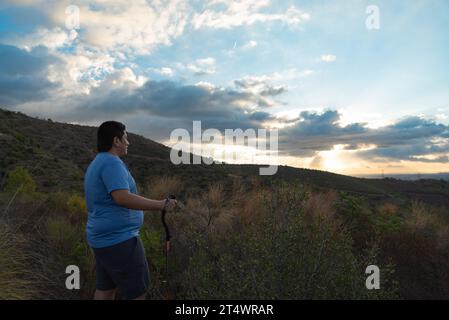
column 115, row 141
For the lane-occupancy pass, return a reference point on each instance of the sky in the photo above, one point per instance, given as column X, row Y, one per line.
column 353, row 87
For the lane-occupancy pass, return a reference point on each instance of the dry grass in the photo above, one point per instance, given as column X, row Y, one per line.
column 62, row 234
column 430, row 223
column 286, row 234
column 13, row 266
column 320, row 206
column 252, row 207
column 161, row 187
column 387, row 208
column 77, row 208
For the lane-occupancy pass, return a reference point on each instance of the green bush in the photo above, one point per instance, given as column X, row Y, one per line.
column 57, row 201
column 303, row 261
column 82, row 256
column 19, row 180
column 359, row 219
column 293, row 247
column 153, row 248
column 77, row 207
column 63, row 235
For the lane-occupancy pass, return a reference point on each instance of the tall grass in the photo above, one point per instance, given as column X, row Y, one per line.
column 289, row 245
column 245, row 240
column 13, row 266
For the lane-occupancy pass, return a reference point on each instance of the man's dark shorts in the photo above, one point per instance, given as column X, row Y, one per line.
column 123, row 266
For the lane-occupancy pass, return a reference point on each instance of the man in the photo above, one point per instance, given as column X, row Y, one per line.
column 115, row 217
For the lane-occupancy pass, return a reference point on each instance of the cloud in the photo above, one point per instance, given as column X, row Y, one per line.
column 243, row 12
column 130, row 28
column 202, row 67
column 89, row 87
column 51, row 38
column 247, row 46
column 207, row 85
column 250, row 44
column 118, row 27
column 82, row 71
column 317, row 162
column 261, row 116
column 328, row 58
column 250, row 82
column 111, row 34
column 273, row 90
column 25, row 2
column 165, row 71
column 411, row 138
column 28, row 79
column 261, row 85
column 122, row 94
column 24, row 75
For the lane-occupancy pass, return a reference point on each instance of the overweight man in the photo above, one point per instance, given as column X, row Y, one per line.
column 115, row 216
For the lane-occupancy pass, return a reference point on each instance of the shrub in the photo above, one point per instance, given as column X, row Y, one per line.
column 19, row 180
column 77, row 208
column 153, row 248
column 62, row 234
column 357, row 216
column 82, row 256
column 295, row 248
column 388, row 218
column 57, row 201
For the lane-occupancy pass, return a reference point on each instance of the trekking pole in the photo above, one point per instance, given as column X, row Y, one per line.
column 167, row 235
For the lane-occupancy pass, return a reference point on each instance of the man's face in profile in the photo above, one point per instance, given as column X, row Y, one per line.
column 123, row 144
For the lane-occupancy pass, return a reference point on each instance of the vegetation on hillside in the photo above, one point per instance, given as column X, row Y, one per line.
column 250, row 240
column 57, row 155
column 301, row 234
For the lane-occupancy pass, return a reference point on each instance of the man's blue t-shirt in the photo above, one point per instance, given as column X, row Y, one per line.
column 108, row 223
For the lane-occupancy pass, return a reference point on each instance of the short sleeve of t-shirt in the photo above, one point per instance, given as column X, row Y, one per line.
column 115, row 177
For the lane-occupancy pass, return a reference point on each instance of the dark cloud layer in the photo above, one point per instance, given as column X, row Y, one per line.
column 219, row 109
column 410, row 138
column 23, row 75
column 165, row 105
column 260, row 84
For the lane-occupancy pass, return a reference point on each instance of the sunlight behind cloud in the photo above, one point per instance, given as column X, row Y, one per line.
column 162, row 64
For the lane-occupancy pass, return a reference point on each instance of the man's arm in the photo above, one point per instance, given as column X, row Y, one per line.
column 129, row 200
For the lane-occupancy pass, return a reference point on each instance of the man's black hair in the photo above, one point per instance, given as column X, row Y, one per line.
column 107, row 132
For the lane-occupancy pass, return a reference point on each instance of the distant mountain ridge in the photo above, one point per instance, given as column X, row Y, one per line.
column 409, row 176
column 57, row 155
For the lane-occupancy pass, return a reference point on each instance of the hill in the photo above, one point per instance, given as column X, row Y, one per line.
column 236, row 235
column 57, row 155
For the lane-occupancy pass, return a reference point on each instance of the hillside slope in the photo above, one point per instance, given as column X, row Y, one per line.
column 57, row 155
